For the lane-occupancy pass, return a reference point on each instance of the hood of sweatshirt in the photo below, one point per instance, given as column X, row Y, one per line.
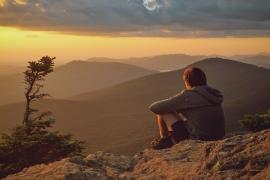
column 212, row 95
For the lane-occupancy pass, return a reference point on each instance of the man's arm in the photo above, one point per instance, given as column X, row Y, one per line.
column 170, row 105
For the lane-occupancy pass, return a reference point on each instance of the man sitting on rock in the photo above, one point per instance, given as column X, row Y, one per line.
column 195, row 113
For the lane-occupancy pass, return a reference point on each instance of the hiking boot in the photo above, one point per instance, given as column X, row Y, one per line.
column 162, row 143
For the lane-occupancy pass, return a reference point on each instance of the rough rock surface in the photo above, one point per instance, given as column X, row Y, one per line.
column 237, row 157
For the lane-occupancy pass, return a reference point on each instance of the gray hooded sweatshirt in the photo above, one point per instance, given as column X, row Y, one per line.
column 201, row 105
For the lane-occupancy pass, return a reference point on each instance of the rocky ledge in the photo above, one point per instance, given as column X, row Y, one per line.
column 238, row 157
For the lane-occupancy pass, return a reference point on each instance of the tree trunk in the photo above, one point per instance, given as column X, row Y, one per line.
column 27, row 112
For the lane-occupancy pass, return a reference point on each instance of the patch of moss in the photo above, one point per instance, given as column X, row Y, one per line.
column 217, row 166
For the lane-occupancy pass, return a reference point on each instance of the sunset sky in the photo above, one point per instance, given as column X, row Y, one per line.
column 81, row 29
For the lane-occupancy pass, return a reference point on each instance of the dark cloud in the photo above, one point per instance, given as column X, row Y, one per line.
column 173, row 18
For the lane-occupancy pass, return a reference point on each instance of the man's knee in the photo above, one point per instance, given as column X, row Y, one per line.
column 169, row 119
column 159, row 115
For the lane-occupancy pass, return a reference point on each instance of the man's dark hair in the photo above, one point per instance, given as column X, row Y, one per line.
column 194, row 77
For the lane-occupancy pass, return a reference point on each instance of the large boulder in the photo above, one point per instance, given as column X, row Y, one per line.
column 95, row 166
column 238, row 157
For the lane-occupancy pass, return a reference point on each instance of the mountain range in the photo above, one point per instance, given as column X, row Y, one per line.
column 96, row 73
column 6, row 70
column 161, row 63
column 171, row 62
column 116, row 118
column 258, row 60
column 73, row 78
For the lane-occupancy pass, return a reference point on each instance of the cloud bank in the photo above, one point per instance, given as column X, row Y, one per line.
column 161, row 18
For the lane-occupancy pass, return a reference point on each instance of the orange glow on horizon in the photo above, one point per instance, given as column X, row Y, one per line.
column 19, row 46
column 2, row 3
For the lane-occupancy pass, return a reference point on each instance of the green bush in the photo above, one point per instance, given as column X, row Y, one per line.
column 21, row 149
column 256, row 122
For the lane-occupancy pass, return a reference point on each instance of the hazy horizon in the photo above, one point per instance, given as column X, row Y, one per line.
column 59, row 62
column 83, row 29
